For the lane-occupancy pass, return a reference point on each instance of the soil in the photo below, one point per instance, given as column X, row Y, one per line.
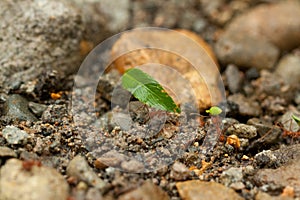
column 251, row 150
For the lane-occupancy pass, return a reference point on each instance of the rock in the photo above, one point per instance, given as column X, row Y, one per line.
column 270, row 84
column 37, row 183
column 14, row 135
column 231, row 175
column 261, row 126
column 234, row 78
column 288, row 68
column 242, row 130
column 132, row 166
column 287, row 154
column 37, row 108
column 287, row 175
column 54, row 113
column 16, row 108
column 179, row 172
column 107, row 83
column 288, row 123
column 80, row 169
column 237, row 185
column 249, row 170
column 264, row 196
column 270, row 138
column 249, row 40
column 200, row 190
column 266, row 158
column 246, row 51
column 50, row 37
column 147, row 191
column 102, row 19
column 168, row 56
column 92, row 194
column 247, row 107
column 6, row 152
column 111, row 158
column 221, row 12
column 165, row 14
column 284, row 155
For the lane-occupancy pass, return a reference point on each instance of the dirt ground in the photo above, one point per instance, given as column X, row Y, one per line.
column 63, row 137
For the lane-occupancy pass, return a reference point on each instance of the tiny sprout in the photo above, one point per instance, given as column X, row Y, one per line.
column 297, row 119
column 215, row 110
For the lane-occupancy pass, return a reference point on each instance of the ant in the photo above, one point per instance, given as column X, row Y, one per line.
column 290, row 132
column 28, row 164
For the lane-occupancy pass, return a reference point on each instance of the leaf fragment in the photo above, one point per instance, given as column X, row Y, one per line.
column 147, row 90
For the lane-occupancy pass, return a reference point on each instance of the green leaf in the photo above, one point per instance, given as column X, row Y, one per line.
column 147, row 90
column 215, row 110
column 297, row 119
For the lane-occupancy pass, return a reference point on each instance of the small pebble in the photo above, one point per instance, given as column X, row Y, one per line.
column 16, row 108
column 179, row 172
column 234, row 78
column 288, row 69
column 14, row 135
column 79, row 168
column 37, row 108
column 231, row 175
column 247, row 107
column 242, row 130
column 132, row 166
column 6, row 152
column 237, row 185
column 265, row 158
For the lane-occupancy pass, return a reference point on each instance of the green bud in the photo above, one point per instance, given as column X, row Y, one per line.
column 215, row 110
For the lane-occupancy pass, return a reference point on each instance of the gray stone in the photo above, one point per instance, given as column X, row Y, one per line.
column 7, row 152
column 261, row 126
column 242, row 130
column 103, row 18
column 35, row 34
column 286, row 154
column 16, row 108
column 133, row 166
column 247, row 107
column 80, row 169
column 288, row 69
column 266, row 158
column 287, row 175
column 37, row 183
column 246, row 52
column 54, row 113
column 231, row 175
column 14, row 135
column 234, row 78
column 249, row 39
column 273, row 136
column 179, row 172
column 37, row 108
